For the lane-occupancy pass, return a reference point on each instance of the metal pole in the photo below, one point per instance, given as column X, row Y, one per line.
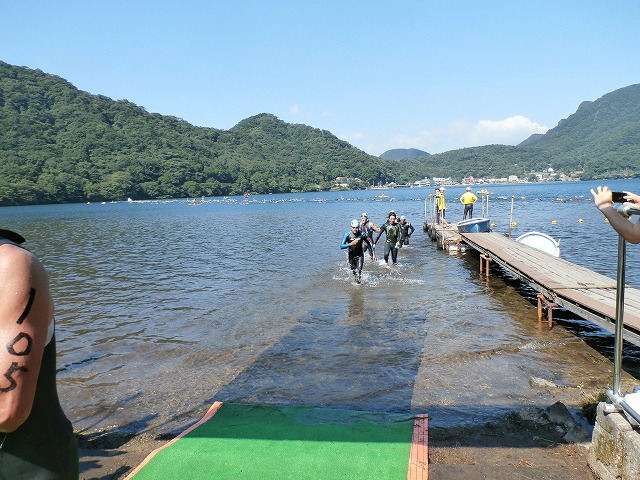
column 434, row 213
column 617, row 352
column 424, row 222
column 614, row 394
column 487, row 205
column 511, row 216
column 431, row 212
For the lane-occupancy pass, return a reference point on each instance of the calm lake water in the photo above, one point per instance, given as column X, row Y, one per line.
column 163, row 308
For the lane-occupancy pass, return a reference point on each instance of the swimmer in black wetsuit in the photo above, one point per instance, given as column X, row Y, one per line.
column 354, row 240
column 406, row 230
column 368, row 227
column 392, row 230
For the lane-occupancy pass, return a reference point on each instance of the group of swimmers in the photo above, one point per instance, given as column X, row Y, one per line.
column 359, row 238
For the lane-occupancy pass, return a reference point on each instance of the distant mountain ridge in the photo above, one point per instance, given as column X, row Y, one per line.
column 531, row 140
column 59, row 144
column 600, row 140
column 403, row 154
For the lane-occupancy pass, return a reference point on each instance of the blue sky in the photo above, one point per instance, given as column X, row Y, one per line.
column 433, row 75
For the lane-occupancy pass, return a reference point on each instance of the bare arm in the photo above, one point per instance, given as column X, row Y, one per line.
column 626, row 229
column 25, row 311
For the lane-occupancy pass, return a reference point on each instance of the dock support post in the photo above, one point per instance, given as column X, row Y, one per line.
column 484, row 264
column 549, row 306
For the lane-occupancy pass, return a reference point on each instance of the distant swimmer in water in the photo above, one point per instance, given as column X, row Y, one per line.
column 354, row 240
column 406, row 230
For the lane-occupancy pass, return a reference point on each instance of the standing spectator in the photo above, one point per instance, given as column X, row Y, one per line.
column 468, row 198
column 441, row 204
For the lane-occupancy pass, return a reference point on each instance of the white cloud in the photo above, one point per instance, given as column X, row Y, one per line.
column 461, row 134
column 294, row 109
column 509, row 131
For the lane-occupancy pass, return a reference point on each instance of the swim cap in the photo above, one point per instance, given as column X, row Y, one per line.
column 355, row 223
column 402, row 217
column 364, row 215
column 392, row 212
column 468, row 189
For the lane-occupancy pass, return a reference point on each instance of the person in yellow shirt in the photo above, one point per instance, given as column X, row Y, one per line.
column 468, row 198
column 441, row 205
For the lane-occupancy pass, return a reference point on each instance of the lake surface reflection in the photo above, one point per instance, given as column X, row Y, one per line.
column 163, row 307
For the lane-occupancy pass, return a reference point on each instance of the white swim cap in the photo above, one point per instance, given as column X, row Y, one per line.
column 355, row 223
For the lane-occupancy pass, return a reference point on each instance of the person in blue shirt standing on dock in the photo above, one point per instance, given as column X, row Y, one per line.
column 354, row 240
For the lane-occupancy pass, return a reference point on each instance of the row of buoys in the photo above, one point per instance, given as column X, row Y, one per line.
column 553, row 222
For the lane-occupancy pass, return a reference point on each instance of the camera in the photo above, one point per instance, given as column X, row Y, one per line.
column 618, row 197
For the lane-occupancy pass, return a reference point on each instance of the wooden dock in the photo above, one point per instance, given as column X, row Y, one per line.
column 584, row 292
column 445, row 235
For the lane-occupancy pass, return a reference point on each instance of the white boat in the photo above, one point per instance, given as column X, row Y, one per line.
column 474, row 225
column 541, row 241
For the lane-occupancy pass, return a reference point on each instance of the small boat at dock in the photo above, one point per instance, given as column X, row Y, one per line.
column 541, row 241
column 474, row 225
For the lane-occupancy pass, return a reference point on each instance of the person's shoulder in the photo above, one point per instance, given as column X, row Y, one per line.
column 12, row 255
column 15, row 260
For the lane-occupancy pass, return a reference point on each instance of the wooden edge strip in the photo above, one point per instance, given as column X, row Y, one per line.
column 207, row 416
column 419, row 454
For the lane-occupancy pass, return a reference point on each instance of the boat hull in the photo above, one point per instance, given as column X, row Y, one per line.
column 474, row 225
column 541, row 241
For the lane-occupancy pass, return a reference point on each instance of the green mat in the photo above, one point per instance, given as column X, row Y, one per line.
column 237, row 441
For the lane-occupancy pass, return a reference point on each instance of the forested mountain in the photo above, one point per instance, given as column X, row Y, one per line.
column 59, row 144
column 600, row 140
column 403, row 153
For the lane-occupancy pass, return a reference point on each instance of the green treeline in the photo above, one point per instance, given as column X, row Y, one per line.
column 59, row 144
